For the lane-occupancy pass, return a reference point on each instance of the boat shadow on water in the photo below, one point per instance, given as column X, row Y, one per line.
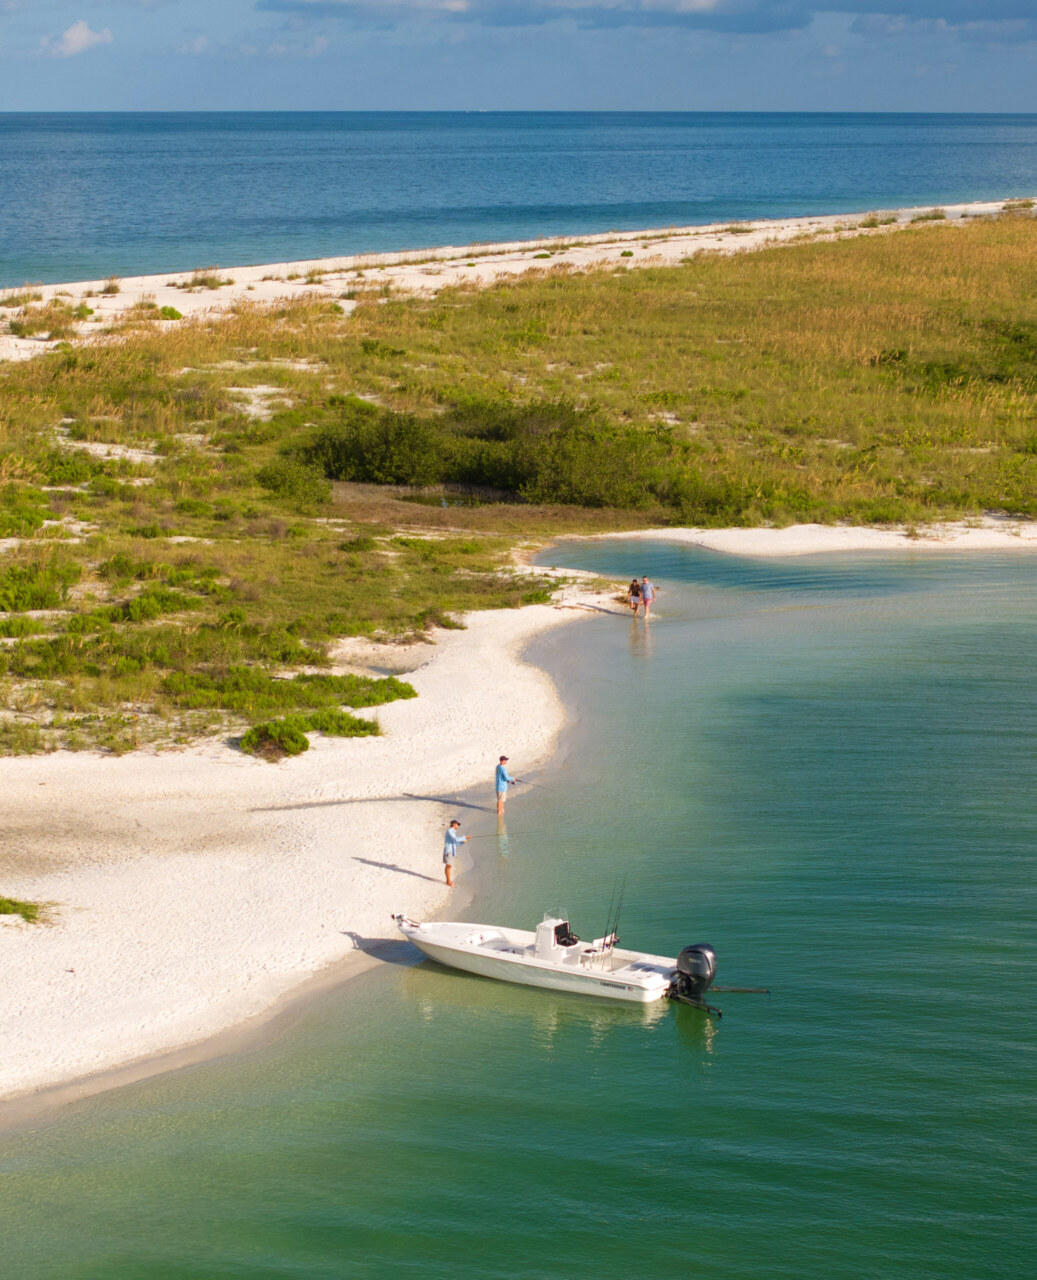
column 434, row 988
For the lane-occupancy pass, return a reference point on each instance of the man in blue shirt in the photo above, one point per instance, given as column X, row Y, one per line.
column 504, row 780
column 452, row 841
column 647, row 593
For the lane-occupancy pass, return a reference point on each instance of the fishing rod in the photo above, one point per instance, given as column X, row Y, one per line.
column 539, row 785
column 496, row 835
column 612, row 923
column 608, row 920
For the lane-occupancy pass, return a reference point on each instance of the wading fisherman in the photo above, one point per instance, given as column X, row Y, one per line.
column 504, row 781
column 647, row 593
column 452, row 841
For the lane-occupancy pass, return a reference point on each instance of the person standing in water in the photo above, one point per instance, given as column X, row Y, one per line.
column 647, row 593
column 504, row 781
column 452, row 841
column 634, row 595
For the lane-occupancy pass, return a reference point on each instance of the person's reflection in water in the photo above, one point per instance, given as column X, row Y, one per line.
column 641, row 642
column 503, row 843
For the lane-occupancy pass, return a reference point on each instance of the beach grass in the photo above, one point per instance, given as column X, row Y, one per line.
column 235, row 493
column 30, row 912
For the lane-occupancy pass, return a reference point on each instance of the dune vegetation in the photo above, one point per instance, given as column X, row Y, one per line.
column 192, row 513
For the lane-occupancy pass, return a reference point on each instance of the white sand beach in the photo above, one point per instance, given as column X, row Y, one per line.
column 991, row 533
column 427, row 271
column 192, row 890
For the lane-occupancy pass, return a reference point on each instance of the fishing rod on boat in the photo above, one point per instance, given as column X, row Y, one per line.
column 608, row 920
column 611, row 938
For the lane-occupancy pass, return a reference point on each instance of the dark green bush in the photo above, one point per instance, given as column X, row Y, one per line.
column 275, row 739
column 378, row 447
column 296, row 481
column 545, row 451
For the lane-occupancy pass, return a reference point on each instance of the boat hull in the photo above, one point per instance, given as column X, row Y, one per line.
column 606, row 986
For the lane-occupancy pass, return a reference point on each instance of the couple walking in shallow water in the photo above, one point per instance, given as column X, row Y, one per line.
column 453, row 840
column 640, row 595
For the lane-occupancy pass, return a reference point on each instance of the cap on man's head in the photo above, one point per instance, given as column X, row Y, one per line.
column 455, row 822
column 503, row 758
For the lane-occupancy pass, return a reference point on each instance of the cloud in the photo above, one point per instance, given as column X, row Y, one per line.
column 77, row 39
column 994, row 28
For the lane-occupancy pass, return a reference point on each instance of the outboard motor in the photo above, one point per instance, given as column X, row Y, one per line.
column 696, row 970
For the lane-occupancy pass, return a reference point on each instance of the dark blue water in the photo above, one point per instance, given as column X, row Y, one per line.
column 86, row 195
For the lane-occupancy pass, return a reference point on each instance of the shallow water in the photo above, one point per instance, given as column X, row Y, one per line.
column 91, row 194
column 824, row 766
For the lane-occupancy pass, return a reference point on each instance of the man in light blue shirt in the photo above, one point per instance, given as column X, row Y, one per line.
column 504, row 781
column 452, row 841
column 647, row 593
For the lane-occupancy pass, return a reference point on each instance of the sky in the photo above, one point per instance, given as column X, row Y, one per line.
column 677, row 55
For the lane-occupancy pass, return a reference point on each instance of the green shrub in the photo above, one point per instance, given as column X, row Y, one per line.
column 44, row 584
column 275, row 740
column 15, row 628
column 69, row 466
column 543, row 451
column 375, row 347
column 377, row 447
column 170, row 313
column 247, row 690
column 21, row 511
column 295, row 481
column 340, row 724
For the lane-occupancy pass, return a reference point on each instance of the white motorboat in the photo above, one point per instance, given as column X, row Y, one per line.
column 554, row 957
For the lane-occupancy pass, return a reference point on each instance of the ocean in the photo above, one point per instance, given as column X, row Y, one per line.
column 823, row 766
column 89, row 195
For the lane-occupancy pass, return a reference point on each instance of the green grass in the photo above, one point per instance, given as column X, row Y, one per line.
column 30, row 912
column 883, row 378
column 21, row 299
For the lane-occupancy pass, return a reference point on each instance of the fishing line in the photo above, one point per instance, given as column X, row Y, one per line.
column 501, row 835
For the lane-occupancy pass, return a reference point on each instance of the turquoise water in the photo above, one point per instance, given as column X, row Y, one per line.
column 87, row 195
column 824, row 767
